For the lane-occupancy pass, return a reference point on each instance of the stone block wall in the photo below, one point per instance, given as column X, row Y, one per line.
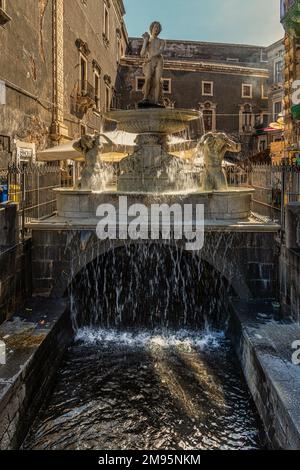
column 249, row 261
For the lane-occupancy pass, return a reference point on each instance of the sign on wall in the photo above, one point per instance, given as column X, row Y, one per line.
column 25, row 152
column 2, row 92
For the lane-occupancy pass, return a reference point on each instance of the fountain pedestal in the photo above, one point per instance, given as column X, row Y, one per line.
column 151, row 168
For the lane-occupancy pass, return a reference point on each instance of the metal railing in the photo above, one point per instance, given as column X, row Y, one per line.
column 275, row 186
column 31, row 187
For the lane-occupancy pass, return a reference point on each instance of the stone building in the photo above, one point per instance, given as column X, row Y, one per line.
column 228, row 82
column 269, row 138
column 58, row 71
column 290, row 19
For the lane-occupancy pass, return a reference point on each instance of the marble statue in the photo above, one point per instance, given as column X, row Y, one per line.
column 213, row 146
column 152, row 52
column 92, row 176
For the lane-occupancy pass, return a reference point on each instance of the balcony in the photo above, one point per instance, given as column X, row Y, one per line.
column 83, row 99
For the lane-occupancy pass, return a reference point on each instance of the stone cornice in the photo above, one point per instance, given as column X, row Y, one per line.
column 200, row 66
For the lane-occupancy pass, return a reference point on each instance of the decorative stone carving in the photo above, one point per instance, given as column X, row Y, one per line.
column 94, row 174
column 107, row 79
column 82, row 47
column 151, row 168
column 152, row 52
column 96, row 67
column 213, row 146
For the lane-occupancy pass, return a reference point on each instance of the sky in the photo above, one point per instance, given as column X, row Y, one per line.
column 235, row 21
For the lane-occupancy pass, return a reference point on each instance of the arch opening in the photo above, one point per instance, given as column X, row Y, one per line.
column 149, row 285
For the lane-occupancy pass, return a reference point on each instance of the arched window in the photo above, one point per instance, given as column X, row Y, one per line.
column 246, row 118
column 209, row 116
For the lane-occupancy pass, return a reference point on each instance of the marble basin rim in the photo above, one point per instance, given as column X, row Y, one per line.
column 152, row 120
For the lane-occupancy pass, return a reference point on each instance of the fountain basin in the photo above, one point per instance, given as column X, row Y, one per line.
column 154, row 120
column 233, row 204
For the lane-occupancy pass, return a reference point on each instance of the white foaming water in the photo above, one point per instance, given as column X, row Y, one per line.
column 184, row 339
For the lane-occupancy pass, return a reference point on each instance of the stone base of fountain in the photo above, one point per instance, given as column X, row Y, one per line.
column 151, row 168
column 229, row 205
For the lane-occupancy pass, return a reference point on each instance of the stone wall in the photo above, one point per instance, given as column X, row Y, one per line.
column 290, row 262
column 26, row 68
column 36, row 346
column 248, row 260
column 40, row 96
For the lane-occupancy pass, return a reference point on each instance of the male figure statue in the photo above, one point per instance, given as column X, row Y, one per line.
column 152, row 51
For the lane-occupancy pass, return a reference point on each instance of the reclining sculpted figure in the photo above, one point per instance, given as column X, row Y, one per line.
column 213, row 146
column 94, row 173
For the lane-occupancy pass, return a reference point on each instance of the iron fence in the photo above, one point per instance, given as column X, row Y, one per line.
column 275, row 186
column 31, row 187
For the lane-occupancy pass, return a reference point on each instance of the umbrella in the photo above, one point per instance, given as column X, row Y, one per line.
column 116, row 146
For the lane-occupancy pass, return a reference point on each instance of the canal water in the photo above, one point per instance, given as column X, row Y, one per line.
column 141, row 390
column 152, row 369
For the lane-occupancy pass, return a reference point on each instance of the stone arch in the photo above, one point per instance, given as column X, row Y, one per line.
column 81, row 248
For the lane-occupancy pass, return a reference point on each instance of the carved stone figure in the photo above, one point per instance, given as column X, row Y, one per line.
column 213, row 146
column 93, row 173
column 152, row 51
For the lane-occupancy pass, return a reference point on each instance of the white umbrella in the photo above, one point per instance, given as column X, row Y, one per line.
column 117, row 145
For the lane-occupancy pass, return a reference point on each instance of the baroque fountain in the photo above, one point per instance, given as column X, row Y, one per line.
column 149, row 388
column 152, row 171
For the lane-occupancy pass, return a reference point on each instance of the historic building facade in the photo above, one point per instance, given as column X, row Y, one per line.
column 59, row 67
column 227, row 82
column 268, row 141
column 290, row 19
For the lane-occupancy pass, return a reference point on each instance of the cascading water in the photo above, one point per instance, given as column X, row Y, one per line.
column 148, row 285
column 150, row 366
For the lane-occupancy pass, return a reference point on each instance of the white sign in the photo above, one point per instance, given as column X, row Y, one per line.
column 2, row 353
column 2, row 92
column 24, row 154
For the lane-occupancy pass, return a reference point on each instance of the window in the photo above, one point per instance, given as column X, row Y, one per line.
column 107, row 98
column 97, row 90
column 278, row 71
column 207, row 119
column 247, row 119
column 167, row 85
column 106, row 22
column 209, row 116
column 83, row 73
column 262, row 145
column 277, row 109
column 139, row 83
column 264, row 92
column 265, row 120
column 246, row 91
column 118, row 49
column 207, row 88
